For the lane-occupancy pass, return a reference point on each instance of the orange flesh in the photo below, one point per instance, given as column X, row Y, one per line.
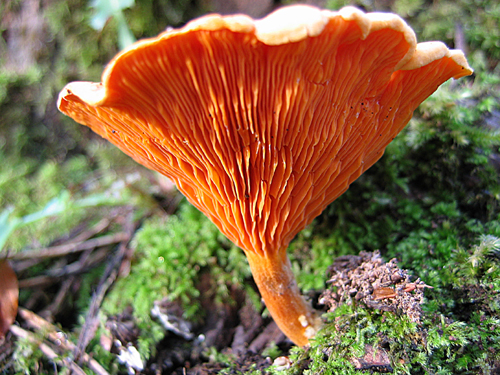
column 262, row 138
column 278, row 288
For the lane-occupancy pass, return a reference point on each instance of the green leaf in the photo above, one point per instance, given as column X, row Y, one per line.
column 7, row 226
column 105, row 9
column 56, row 206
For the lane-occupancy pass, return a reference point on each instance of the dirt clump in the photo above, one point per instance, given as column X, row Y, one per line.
column 367, row 279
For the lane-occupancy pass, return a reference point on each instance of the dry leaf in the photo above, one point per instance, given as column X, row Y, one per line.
column 9, row 295
column 383, row 292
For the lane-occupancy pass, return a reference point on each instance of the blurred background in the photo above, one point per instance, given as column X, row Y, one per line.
column 437, row 187
column 46, row 44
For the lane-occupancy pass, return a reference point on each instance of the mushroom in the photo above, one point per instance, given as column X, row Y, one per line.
column 263, row 123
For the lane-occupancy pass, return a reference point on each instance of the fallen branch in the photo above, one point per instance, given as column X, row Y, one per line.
column 96, row 229
column 22, row 265
column 47, row 350
column 58, row 338
column 56, row 251
column 107, row 279
column 56, row 274
column 54, row 307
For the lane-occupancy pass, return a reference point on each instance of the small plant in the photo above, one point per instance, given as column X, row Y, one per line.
column 105, row 9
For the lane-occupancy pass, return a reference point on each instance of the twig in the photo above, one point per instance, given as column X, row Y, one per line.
column 74, row 247
column 91, row 321
column 81, row 265
column 37, row 322
column 460, row 42
column 37, row 281
column 34, row 298
column 53, row 308
column 47, row 350
column 22, row 265
column 96, row 229
column 64, row 289
column 71, row 269
column 269, row 334
column 109, row 276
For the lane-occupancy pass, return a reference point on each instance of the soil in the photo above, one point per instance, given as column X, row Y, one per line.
column 237, row 331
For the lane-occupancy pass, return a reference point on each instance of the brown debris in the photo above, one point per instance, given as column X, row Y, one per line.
column 242, row 364
column 59, row 340
column 48, row 351
column 121, row 328
column 52, row 289
column 375, row 359
column 379, row 285
column 251, row 323
column 270, row 334
column 109, row 276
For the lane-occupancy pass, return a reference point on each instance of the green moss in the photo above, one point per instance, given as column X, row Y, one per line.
column 438, row 345
column 172, row 256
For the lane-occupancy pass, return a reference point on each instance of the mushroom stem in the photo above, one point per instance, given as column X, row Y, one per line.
column 274, row 278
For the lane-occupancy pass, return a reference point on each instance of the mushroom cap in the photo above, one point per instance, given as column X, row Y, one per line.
column 263, row 123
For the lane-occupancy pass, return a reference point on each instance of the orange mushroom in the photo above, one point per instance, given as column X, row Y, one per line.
column 262, row 124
